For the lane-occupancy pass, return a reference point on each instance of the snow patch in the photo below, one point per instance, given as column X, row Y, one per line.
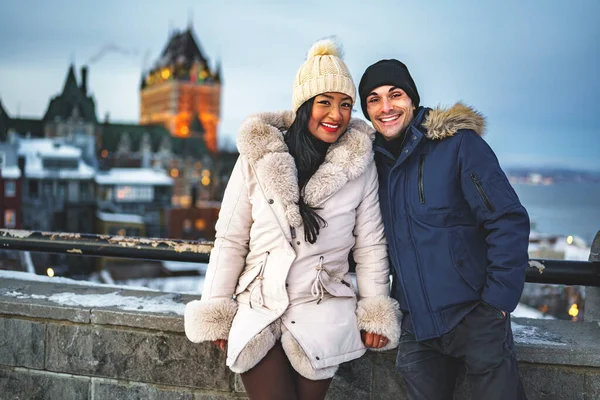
column 534, row 335
column 160, row 304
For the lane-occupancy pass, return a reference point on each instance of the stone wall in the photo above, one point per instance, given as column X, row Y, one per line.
column 65, row 341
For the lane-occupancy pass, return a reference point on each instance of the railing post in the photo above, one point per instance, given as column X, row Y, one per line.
column 592, row 294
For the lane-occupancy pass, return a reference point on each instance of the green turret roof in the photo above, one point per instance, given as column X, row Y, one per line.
column 72, row 97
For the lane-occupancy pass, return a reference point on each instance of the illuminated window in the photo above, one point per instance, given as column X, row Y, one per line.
column 200, row 224
column 174, row 172
column 134, row 193
column 10, row 189
column 10, row 219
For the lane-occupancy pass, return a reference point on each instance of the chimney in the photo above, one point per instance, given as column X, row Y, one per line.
column 84, row 71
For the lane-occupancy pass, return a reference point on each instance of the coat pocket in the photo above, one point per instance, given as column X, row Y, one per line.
column 472, row 274
column 248, row 276
column 339, row 287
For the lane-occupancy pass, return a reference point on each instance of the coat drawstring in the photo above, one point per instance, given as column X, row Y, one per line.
column 260, row 278
column 318, row 289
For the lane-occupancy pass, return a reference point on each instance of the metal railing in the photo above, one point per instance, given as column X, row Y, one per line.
column 586, row 273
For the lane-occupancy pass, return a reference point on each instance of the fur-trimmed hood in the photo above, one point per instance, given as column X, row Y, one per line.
column 443, row 123
column 261, row 141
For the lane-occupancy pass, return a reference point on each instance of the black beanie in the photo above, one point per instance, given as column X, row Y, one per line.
column 387, row 72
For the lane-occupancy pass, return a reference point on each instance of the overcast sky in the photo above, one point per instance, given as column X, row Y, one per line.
column 531, row 66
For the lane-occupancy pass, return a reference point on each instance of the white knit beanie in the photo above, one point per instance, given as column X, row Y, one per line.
column 323, row 71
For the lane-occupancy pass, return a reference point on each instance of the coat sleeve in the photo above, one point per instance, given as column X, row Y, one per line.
column 210, row 318
column 377, row 312
column 501, row 216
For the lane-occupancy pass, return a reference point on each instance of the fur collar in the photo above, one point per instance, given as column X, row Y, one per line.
column 443, row 123
column 261, row 141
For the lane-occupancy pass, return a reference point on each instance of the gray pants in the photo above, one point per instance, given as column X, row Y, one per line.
column 482, row 342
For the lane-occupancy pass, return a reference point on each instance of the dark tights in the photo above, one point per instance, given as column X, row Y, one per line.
column 274, row 378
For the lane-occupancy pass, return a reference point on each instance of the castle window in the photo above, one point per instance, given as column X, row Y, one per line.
column 10, row 219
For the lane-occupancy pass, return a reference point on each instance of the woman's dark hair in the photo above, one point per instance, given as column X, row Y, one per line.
column 309, row 153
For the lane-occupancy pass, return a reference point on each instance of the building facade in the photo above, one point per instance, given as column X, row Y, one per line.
column 10, row 188
column 182, row 88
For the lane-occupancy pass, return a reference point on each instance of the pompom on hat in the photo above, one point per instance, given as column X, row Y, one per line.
column 322, row 72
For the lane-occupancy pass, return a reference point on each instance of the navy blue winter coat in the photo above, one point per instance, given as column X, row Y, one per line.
column 457, row 232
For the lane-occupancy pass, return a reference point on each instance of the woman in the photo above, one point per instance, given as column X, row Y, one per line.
column 302, row 195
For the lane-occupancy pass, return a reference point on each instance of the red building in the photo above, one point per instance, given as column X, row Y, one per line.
column 10, row 188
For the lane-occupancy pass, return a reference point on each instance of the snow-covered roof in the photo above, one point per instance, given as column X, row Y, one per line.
column 35, row 150
column 46, row 147
column 134, row 176
column 12, row 172
column 113, row 217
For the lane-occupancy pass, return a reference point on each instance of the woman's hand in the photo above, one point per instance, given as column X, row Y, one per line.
column 373, row 340
column 221, row 343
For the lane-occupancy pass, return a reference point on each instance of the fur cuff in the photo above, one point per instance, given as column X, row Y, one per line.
column 380, row 315
column 209, row 320
column 300, row 361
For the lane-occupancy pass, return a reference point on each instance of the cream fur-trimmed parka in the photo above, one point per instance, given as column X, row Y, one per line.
column 264, row 282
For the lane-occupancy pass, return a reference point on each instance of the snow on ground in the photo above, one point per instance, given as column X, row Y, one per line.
column 525, row 311
column 26, row 276
column 176, row 284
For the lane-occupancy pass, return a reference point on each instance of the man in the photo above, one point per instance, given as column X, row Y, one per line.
column 457, row 237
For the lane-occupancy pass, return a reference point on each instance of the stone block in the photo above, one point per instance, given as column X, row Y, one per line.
column 553, row 383
column 592, row 386
column 43, row 309
column 135, row 355
column 160, row 322
column 22, row 384
column 387, row 381
column 21, row 343
column 217, row 396
column 352, row 381
column 238, row 385
column 104, row 389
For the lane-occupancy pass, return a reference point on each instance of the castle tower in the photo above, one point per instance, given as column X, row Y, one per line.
column 179, row 86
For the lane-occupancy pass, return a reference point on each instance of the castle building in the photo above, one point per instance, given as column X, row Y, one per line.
column 181, row 89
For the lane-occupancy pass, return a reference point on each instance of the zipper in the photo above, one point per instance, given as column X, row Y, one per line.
column 484, row 197
column 421, row 185
column 419, row 269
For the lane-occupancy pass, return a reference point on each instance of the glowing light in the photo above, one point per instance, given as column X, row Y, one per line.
column 206, row 173
column 185, row 201
column 185, row 130
column 200, row 224
column 165, row 73
column 574, row 310
column 174, row 172
column 104, row 153
column 570, row 239
column 205, row 180
column 50, row 272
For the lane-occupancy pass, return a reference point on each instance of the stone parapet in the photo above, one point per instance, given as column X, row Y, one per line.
column 68, row 341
